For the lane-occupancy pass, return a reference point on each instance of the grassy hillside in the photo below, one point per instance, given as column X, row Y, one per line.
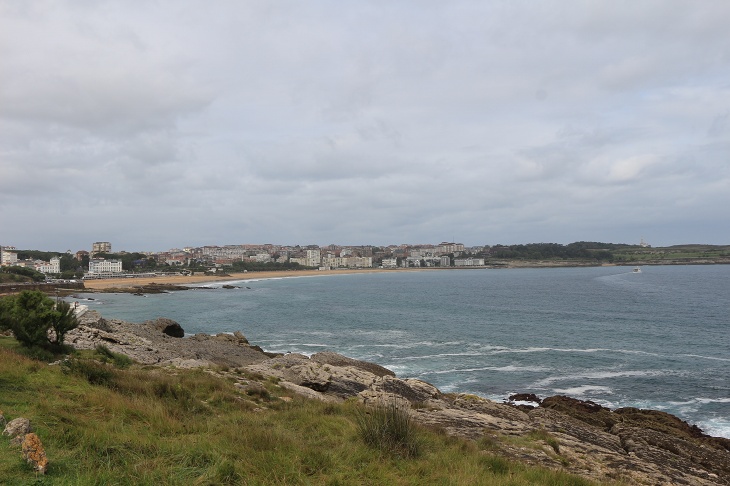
column 118, row 423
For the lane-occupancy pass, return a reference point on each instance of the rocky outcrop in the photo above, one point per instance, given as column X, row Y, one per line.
column 151, row 343
column 150, row 288
column 167, row 327
column 628, row 445
column 582, row 437
column 334, row 359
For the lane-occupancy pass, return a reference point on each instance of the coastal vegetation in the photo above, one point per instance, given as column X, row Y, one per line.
column 104, row 420
column 35, row 319
column 20, row 274
column 596, row 252
column 249, row 266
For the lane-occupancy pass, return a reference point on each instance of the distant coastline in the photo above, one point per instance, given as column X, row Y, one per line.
column 182, row 280
column 229, row 277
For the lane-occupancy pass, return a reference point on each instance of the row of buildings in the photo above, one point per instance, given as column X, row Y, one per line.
column 328, row 257
column 96, row 266
column 9, row 258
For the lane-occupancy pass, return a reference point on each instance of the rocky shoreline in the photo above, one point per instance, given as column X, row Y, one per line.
column 630, row 445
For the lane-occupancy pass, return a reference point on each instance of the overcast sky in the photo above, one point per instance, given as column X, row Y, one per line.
column 171, row 123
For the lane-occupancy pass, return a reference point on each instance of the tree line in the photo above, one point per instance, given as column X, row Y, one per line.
column 581, row 250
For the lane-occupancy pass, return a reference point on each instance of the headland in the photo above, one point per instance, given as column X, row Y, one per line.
column 628, row 445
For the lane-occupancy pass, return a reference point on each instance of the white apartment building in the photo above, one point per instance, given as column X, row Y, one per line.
column 300, row 261
column 446, row 247
column 261, row 258
column 314, row 258
column 347, row 262
column 390, row 263
column 100, row 266
column 469, row 262
column 54, row 266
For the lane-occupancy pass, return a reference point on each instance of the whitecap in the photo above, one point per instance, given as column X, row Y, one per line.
column 582, row 390
column 712, row 400
column 508, row 368
column 598, row 375
column 436, row 356
column 713, row 358
column 716, row 427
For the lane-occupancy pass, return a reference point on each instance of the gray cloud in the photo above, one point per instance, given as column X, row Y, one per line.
column 183, row 123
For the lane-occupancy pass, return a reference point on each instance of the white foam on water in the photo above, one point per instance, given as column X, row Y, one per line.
column 569, row 350
column 598, row 375
column 716, row 427
column 582, row 390
column 713, row 358
column 713, row 400
column 508, row 368
column 435, row 356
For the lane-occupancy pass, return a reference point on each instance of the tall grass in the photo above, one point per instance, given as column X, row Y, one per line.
column 390, row 428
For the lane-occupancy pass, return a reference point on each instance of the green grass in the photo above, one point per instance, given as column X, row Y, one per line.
column 138, row 426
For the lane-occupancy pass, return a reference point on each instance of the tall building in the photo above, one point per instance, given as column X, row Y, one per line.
column 8, row 258
column 101, row 247
column 314, row 258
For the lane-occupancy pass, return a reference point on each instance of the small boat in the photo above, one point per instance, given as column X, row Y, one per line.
column 636, row 270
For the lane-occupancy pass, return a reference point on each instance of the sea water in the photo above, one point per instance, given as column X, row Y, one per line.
column 658, row 339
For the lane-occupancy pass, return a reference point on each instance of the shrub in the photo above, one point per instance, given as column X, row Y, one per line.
column 31, row 314
column 390, row 428
column 63, row 320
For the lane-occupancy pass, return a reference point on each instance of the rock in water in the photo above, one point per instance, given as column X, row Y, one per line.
column 34, row 453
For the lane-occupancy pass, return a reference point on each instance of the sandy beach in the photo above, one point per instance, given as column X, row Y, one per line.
column 201, row 279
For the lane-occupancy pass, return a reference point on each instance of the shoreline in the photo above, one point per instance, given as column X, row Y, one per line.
column 182, row 280
column 582, row 437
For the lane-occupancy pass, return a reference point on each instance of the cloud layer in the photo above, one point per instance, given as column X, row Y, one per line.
column 165, row 124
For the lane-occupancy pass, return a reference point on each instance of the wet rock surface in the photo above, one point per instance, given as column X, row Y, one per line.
column 628, row 445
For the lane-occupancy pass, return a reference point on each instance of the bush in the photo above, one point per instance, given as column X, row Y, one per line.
column 31, row 314
column 390, row 428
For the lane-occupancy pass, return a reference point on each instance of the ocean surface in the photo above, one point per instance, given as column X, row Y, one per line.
column 658, row 339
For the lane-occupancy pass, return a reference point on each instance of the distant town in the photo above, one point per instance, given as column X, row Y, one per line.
column 101, row 261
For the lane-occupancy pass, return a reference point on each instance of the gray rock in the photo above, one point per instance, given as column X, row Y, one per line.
column 334, row 359
column 167, row 327
column 17, row 428
column 310, row 375
column 414, row 391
